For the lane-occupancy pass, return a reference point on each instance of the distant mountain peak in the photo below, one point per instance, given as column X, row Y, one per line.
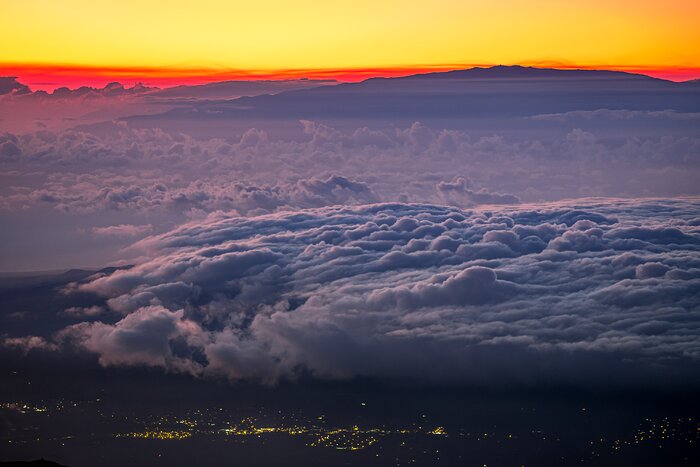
column 521, row 72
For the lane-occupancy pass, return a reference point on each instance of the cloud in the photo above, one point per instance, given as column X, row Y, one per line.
column 9, row 149
column 457, row 192
column 118, row 173
column 27, row 344
column 10, row 85
column 137, row 168
column 110, row 90
column 123, row 230
column 618, row 114
column 89, row 193
column 83, row 312
column 145, row 337
column 519, row 294
column 390, row 248
column 473, row 285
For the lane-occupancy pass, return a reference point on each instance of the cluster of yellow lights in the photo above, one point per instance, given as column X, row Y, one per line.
column 247, row 428
column 23, row 408
column 188, row 423
column 353, row 438
column 156, row 434
column 343, row 442
column 256, row 431
column 661, row 430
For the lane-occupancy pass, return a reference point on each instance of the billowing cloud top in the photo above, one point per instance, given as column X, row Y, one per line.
column 599, row 291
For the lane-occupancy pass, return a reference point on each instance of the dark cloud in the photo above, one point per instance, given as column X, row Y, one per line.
column 9, row 149
column 10, row 85
column 29, row 343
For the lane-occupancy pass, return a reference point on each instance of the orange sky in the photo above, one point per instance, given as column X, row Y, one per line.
column 166, row 42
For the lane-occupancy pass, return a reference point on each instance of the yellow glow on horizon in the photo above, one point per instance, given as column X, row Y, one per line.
column 278, row 35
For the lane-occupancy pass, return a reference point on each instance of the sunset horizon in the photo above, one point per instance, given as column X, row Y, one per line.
column 50, row 77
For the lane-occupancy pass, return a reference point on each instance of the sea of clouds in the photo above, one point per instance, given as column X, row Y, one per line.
column 590, row 292
column 511, row 247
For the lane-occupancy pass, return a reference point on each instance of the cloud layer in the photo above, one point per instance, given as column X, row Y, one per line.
column 80, row 197
column 597, row 292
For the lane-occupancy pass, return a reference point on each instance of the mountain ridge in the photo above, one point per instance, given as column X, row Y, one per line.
column 498, row 92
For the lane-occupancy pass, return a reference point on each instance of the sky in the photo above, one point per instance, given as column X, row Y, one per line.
column 161, row 42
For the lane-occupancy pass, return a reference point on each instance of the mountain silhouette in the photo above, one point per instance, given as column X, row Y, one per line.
column 496, row 92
